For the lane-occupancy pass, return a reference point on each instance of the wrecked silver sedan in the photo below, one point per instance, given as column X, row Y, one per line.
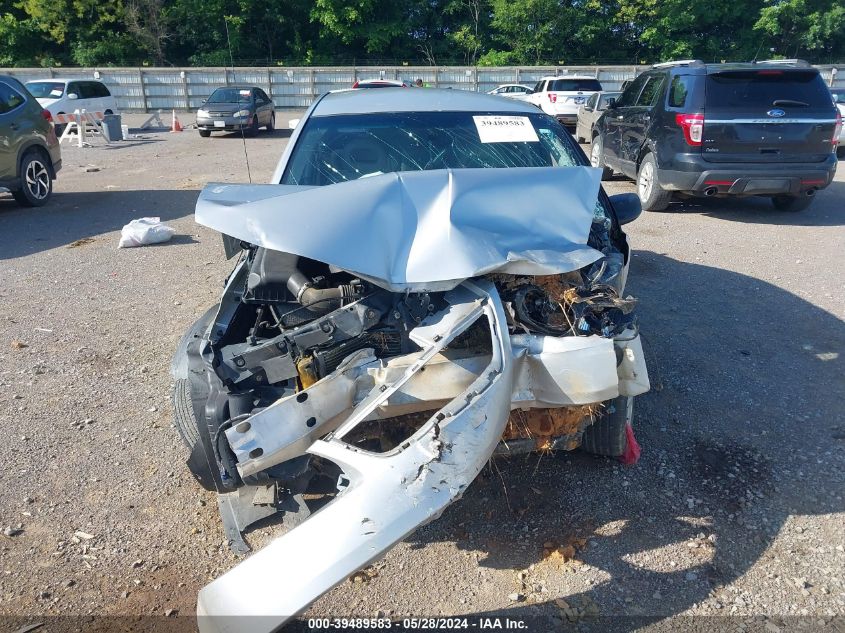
column 435, row 279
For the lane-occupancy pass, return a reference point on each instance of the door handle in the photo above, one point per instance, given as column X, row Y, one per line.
column 646, row 117
column 14, row 126
column 620, row 117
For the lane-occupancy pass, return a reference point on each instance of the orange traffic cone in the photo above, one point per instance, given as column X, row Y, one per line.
column 175, row 126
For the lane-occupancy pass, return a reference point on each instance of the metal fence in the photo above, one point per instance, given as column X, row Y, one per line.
column 148, row 89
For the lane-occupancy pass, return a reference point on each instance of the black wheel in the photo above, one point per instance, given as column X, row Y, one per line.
column 652, row 195
column 205, row 133
column 108, row 112
column 606, row 436
column 272, row 124
column 597, row 157
column 36, row 184
column 791, row 203
column 840, row 151
column 253, row 126
column 183, row 413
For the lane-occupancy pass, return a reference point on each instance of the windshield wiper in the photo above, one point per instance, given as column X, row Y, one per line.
column 790, row 102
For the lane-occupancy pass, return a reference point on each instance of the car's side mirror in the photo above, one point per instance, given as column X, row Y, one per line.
column 627, row 206
column 72, row 95
column 587, row 108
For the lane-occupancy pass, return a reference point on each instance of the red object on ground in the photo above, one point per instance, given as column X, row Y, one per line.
column 632, row 451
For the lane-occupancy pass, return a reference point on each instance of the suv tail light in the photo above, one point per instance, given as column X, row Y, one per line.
column 552, row 97
column 693, row 127
column 355, row 85
column 47, row 115
column 837, row 130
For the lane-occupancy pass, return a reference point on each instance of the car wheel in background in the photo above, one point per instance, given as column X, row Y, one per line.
column 652, row 196
column 272, row 124
column 606, row 436
column 597, row 157
column 253, row 126
column 36, row 183
column 791, row 203
column 205, row 133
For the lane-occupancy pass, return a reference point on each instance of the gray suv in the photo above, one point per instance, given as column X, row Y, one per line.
column 29, row 150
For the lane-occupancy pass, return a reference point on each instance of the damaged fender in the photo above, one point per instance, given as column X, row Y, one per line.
column 384, row 497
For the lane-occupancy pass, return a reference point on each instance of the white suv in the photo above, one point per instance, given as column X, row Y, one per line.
column 562, row 96
column 63, row 96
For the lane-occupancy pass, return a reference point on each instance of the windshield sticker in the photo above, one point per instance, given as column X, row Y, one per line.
column 56, row 92
column 505, row 129
column 244, row 93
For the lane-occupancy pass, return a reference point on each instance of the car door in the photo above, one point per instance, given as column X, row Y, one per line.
column 266, row 106
column 13, row 129
column 614, row 122
column 586, row 118
column 637, row 122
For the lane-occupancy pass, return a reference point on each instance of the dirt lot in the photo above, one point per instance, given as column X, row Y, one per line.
column 736, row 507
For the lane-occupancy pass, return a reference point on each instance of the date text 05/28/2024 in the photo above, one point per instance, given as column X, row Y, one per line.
column 417, row 624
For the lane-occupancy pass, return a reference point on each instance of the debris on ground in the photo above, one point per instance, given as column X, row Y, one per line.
column 145, row 231
column 10, row 531
column 80, row 242
column 19, row 344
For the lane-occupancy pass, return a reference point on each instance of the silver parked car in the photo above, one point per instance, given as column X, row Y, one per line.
column 590, row 112
column 512, row 91
column 424, row 264
column 236, row 108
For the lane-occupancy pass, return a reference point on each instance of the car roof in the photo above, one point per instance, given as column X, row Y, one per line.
column 568, row 77
column 404, row 100
column 63, row 80
column 236, row 87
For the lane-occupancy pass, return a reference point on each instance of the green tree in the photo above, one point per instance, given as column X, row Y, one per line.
column 795, row 27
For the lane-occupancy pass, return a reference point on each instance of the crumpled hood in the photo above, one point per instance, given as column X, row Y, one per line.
column 421, row 230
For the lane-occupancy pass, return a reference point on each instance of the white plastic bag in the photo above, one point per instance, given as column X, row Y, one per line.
column 144, row 231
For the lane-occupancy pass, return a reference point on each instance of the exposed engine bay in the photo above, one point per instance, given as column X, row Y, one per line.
column 390, row 392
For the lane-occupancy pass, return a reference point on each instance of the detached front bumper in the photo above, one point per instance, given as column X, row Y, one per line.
column 384, row 497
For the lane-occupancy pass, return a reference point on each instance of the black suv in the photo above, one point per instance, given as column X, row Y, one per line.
column 762, row 129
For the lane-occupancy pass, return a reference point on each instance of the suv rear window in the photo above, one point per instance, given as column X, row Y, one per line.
column 574, row 85
column 761, row 88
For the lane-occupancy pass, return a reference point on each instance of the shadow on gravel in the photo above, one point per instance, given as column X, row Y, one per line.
column 824, row 211
column 74, row 216
column 742, row 430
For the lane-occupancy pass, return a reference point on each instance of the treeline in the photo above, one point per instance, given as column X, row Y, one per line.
column 416, row 32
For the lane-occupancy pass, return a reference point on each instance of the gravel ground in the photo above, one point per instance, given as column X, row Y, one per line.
column 736, row 507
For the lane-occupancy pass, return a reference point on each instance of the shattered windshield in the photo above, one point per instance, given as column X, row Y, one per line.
column 339, row 148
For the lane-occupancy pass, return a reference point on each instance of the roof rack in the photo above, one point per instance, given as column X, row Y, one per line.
column 791, row 62
column 679, row 62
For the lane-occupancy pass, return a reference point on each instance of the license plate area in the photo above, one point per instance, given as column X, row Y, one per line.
column 220, row 124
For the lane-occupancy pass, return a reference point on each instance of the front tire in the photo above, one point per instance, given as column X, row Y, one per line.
column 652, row 195
column 272, row 124
column 205, row 133
column 36, row 185
column 606, row 436
column 791, row 203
